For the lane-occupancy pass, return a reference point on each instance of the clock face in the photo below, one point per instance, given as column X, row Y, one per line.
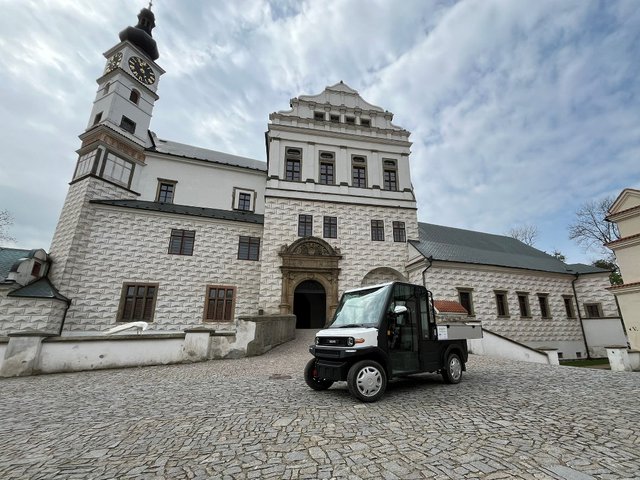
column 141, row 70
column 113, row 62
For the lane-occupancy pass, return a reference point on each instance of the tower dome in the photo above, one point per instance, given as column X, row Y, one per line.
column 140, row 35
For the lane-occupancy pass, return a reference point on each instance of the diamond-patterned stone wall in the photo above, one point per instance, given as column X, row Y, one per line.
column 359, row 253
column 126, row 245
column 592, row 289
column 444, row 281
column 19, row 314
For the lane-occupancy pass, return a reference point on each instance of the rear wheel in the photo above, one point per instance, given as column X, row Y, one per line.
column 367, row 380
column 312, row 379
column 452, row 371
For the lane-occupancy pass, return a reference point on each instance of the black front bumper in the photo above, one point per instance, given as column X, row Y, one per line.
column 333, row 363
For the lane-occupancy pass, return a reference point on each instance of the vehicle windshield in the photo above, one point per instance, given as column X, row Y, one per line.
column 362, row 308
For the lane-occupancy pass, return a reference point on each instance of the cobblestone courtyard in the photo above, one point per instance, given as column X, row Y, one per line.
column 256, row 418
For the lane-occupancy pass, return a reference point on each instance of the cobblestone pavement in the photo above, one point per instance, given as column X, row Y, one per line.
column 256, row 418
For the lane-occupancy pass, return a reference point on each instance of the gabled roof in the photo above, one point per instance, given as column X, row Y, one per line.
column 628, row 198
column 41, row 288
column 467, row 246
column 232, row 215
column 187, row 151
column 8, row 258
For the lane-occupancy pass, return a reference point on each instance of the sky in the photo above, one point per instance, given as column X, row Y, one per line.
column 520, row 111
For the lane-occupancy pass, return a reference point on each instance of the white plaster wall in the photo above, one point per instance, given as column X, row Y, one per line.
column 359, row 253
column 444, row 279
column 19, row 314
column 495, row 346
column 592, row 288
column 629, row 261
column 629, row 226
column 94, row 355
column 127, row 245
column 200, row 183
column 630, row 306
column 603, row 332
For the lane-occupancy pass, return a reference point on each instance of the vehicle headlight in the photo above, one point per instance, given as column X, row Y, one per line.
column 351, row 342
column 317, row 340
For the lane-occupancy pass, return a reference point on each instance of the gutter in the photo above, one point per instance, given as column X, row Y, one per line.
column 64, row 317
column 424, row 272
column 575, row 295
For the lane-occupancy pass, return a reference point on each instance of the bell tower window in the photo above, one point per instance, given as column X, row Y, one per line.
column 128, row 125
column 134, row 96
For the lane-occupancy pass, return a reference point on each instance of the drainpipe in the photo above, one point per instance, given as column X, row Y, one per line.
column 64, row 317
column 575, row 295
column 424, row 272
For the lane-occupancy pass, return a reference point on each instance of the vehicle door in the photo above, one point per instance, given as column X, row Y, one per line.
column 402, row 331
column 430, row 348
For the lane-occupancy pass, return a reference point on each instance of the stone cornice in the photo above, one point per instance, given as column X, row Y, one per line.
column 342, row 135
column 103, row 135
column 624, row 214
column 633, row 287
column 630, row 241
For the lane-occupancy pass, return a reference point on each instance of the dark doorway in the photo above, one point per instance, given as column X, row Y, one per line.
column 310, row 305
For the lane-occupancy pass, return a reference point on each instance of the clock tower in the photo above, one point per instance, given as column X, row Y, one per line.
column 127, row 88
column 112, row 153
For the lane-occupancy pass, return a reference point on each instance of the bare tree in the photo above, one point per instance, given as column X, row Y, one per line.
column 6, row 220
column 590, row 229
column 525, row 233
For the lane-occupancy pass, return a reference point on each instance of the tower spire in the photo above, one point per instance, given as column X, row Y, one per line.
column 140, row 35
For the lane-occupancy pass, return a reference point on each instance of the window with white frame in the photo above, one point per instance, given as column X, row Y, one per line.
column 117, row 170
column 244, row 199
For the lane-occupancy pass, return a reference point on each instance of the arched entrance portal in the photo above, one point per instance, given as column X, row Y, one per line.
column 309, row 305
column 309, row 263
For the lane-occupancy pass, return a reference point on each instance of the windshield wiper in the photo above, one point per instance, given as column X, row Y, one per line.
column 351, row 325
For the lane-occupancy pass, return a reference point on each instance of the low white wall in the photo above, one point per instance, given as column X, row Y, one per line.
column 497, row 346
column 64, row 354
column 602, row 332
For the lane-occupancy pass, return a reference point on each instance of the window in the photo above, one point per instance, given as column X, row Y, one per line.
column 568, row 306
column 359, row 172
column 107, row 86
column 128, row 125
column 330, row 227
column 377, row 230
column 334, row 118
column 543, row 300
column 166, row 189
column 138, row 302
column 181, row 242
column 219, row 304
column 134, row 96
column 365, row 122
column 318, row 116
column 117, row 170
column 244, row 201
column 249, row 248
column 305, row 225
column 85, row 164
column 327, row 168
column 390, row 175
column 523, row 303
column 578, row 354
column 594, row 310
column 350, row 120
column 466, row 300
column 293, row 161
column 502, row 304
column 399, row 234
column 35, row 271
column 97, row 118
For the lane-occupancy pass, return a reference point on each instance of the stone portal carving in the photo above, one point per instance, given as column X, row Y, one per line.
column 309, row 258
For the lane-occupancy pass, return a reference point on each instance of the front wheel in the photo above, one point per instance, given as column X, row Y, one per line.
column 367, row 380
column 312, row 379
column 452, row 371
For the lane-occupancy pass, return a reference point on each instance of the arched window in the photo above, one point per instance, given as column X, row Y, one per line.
column 135, row 96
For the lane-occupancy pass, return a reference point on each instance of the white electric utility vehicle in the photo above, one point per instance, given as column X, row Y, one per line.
column 386, row 331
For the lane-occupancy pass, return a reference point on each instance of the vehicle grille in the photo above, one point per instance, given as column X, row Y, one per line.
column 332, row 341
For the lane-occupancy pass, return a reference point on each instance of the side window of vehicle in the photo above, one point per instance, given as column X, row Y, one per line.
column 406, row 323
column 424, row 316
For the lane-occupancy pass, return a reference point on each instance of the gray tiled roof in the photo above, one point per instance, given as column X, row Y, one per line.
column 8, row 257
column 41, row 288
column 233, row 215
column 581, row 268
column 188, row 151
column 466, row 246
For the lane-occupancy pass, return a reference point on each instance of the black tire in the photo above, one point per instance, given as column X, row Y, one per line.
column 452, row 371
column 367, row 380
column 310, row 376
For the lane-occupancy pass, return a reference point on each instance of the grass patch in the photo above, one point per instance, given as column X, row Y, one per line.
column 585, row 363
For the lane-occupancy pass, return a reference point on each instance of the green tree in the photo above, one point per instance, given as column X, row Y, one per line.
column 614, row 277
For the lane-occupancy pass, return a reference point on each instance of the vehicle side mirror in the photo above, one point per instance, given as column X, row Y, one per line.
column 400, row 309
